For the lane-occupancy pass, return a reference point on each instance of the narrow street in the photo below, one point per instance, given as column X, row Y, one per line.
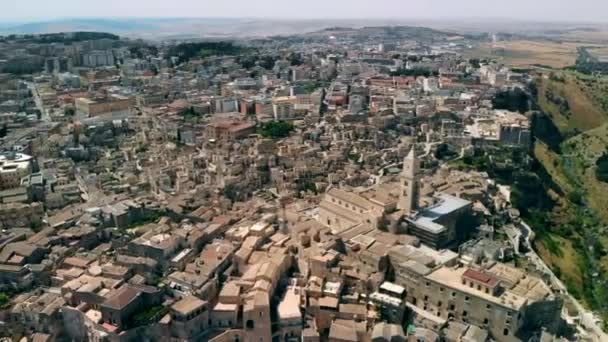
column 44, row 114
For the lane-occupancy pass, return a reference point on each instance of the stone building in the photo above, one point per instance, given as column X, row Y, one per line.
column 479, row 297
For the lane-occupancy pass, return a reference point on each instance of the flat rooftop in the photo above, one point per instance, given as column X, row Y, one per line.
column 187, row 305
column 289, row 307
column 452, row 278
column 447, row 204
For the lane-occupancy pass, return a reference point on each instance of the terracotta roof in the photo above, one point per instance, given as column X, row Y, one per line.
column 480, row 277
column 122, row 297
column 188, row 304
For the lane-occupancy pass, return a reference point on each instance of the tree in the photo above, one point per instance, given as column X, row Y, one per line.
column 179, row 137
column 515, row 100
column 415, row 72
column 4, row 299
column 267, row 62
column 69, row 111
column 276, row 129
column 545, row 130
column 295, row 59
column 187, row 51
column 444, row 152
column 601, row 170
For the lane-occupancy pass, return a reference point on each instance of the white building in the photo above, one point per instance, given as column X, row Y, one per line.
column 13, row 167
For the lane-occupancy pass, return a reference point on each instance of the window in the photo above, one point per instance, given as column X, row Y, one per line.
column 471, row 284
column 508, row 321
column 439, row 304
column 479, row 287
column 505, row 332
column 464, row 313
column 249, row 324
column 261, row 313
column 487, row 290
column 466, row 298
column 441, row 289
column 488, row 306
column 452, row 307
column 428, row 284
column 453, row 294
column 426, row 298
column 509, row 314
column 486, row 321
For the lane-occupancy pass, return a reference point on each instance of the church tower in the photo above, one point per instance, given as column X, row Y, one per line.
column 408, row 199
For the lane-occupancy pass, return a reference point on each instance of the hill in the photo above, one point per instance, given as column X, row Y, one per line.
column 572, row 236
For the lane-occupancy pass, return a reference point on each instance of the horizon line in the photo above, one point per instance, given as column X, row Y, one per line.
column 268, row 18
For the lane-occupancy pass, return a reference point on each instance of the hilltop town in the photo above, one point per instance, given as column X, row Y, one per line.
column 342, row 185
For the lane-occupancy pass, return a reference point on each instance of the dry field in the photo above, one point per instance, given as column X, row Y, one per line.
column 525, row 53
column 601, row 53
column 586, row 37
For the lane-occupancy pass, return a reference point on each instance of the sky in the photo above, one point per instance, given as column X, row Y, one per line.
column 542, row 10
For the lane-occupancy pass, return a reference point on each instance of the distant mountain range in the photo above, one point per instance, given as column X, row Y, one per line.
column 192, row 28
column 134, row 27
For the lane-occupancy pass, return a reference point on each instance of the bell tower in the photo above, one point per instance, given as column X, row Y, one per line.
column 408, row 199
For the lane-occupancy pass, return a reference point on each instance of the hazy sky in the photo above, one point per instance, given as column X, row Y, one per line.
column 572, row 10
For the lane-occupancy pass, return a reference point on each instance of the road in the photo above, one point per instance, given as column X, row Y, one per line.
column 587, row 318
column 39, row 104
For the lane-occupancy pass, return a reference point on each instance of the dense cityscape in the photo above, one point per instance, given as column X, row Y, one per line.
column 342, row 185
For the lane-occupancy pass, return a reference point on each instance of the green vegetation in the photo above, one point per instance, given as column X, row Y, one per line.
column 142, row 51
column 65, row 38
column 22, row 68
column 3, row 130
column 69, row 111
column 267, row 62
column 311, row 87
column 4, row 300
column 415, row 72
column 186, row 51
column 587, row 63
column 515, row 100
column 587, row 103
column 147, row 316
column 546, row 131
column 571, row 130
column 444, row 151
column 276, row 129
column 188, row 114
column 295, row 59
column 560, row 186
column 601, row 171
